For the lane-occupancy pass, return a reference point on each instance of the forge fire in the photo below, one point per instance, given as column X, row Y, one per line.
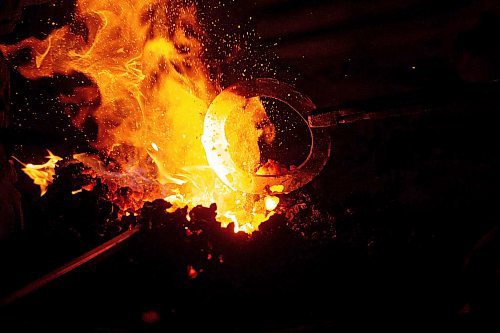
column 149, row 93
column 249, row 165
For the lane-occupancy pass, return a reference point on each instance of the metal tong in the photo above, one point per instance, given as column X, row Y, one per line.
column 319, row 122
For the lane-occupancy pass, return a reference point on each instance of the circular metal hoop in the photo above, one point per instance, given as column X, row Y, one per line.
column 216, row 145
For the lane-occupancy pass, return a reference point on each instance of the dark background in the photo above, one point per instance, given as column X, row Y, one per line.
column 401, row 228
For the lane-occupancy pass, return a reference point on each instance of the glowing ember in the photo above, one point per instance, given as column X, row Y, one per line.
column 42, row 174
column 146, row 59
column 192, row 273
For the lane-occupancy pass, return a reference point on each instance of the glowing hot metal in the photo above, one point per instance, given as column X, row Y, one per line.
column 217, row 147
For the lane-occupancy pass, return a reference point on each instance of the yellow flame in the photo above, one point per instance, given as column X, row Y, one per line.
column 42, row 174
column 277, row 188
column 271, row 202
column 146, row 60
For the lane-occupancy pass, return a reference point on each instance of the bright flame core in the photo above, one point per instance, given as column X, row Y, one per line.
column 146, row 59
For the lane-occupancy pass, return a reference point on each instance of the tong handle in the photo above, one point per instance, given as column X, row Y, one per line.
column 326, row 117
column 405, row 104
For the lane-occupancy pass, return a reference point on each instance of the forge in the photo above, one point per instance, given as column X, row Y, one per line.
column 149, row 89
column 248, row 166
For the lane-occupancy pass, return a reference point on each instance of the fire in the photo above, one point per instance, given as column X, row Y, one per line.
column 42, row 174
column 146, row 59
column 277, row 188
column 155, row 147
column 271, row 202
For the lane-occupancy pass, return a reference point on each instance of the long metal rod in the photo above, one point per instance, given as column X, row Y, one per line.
column 405, row 104
column 68, row 267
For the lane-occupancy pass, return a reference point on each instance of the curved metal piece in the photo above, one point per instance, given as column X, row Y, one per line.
column 233, row 99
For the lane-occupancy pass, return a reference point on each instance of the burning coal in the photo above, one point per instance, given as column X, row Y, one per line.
column 146, row 59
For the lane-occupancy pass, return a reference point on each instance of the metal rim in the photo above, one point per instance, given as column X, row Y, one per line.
column 215, row 142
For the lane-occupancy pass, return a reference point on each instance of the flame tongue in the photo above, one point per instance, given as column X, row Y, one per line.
column 146, row 59
column 42, row 174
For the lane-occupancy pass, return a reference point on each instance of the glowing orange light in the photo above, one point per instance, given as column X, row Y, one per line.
column 146, row 59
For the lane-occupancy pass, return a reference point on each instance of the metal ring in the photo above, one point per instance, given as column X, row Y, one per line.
column 216, row 144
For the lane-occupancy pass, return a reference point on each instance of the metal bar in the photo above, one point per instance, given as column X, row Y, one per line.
column 407, row 104
column 68, row 267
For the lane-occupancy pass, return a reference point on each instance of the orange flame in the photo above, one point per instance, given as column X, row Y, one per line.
column 146, row 59
column 42, row 174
